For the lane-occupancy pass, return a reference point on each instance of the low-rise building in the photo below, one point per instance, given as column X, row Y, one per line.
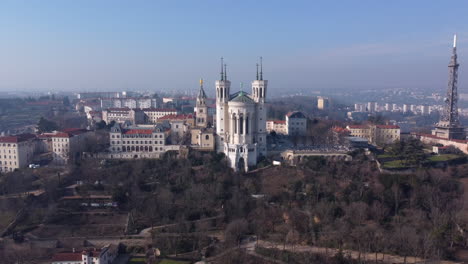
column 461, row 144
column 279, row 126
column 376, row 134
column 152, row 115
column 121, row 115
column 105, row 255
column 16, row 151
column 296, row 123
column 144, row 141
column 68, row 145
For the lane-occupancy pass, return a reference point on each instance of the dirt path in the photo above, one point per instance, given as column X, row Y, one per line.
column 351, row 253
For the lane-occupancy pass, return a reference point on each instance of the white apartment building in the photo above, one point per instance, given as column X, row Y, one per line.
column 376, row 134
column 143, row 141
column 296, row 123
column 121, row 115
column 152, row 115
column 323, row 102
column 131, row 102
column 279, row 126
column 67, row 145
column 16, row 151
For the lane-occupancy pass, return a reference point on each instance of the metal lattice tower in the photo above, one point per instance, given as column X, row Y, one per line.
column 449, row 117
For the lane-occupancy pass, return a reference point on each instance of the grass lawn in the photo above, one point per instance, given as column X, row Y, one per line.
column 385, row 156
column 443, row 157
column 395, row 164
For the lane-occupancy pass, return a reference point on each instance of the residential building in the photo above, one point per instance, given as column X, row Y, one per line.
column 68, row 145
column 323, row 102
column 131, row 102
column 279, row 126
column 16, row 151
column 371, row 107
column 179, row 124
column 140, row 141
column 121, row 115
column 296, row 123
column 152, row 115
column 376, row 134
column 98, row 95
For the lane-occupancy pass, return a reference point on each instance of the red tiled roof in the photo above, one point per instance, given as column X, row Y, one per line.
column 358, row 126
column 69, row 132
column 16, row 138
column 160, row 110
column 388, row 126
column 138, row 131
column 67, row 256
column 340, row 129
column 277, row 121
column 177, row 117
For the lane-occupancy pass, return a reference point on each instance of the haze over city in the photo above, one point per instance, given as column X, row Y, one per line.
column 169, row 45
column 227, row 132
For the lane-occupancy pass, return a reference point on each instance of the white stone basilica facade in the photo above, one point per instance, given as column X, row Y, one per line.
column 241, row 122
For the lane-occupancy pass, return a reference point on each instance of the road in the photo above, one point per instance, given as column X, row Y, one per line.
column 332, row 251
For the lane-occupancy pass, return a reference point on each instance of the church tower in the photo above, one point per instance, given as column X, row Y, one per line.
column 223, row 87
column 259, row 89
column 201, row 109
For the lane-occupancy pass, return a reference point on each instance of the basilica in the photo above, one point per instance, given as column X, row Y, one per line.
column 241, row 121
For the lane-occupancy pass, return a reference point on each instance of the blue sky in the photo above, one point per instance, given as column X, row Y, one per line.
column 152, row 45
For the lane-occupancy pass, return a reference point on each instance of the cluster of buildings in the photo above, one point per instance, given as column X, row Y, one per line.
column 373, row 107
column 61, row 147
column 237, row 126
column 295, row 124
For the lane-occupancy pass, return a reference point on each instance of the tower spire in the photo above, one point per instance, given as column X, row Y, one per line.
column 450, row 115
column 222, row 73
column 201, row 93
column 225, row 72
column 257, row 71
column 261, row 69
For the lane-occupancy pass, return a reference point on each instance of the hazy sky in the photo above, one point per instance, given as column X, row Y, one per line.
column 149, row 45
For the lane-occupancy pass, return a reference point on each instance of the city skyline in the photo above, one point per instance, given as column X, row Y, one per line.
column 65, row 46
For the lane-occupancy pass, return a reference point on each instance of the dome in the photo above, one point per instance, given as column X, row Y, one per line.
column 242, row 97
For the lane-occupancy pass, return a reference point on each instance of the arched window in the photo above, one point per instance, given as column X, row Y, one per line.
column 235, row 124
column 207, row 137
column 246, row 125
column 241, row 125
